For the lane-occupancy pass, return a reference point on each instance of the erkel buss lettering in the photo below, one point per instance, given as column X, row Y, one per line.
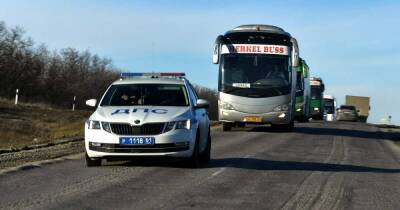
column 315, row 83
column 258, row 49
column 145, row 110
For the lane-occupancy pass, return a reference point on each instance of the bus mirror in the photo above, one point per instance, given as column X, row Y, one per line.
column 295, row 53
column 217, row 49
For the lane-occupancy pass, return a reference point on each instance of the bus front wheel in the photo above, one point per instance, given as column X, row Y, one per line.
column 226, row 126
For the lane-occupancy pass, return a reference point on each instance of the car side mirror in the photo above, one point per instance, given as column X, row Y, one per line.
column 91, row 102
column 202, row 104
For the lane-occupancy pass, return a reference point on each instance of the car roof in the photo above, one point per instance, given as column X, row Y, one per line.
column 147, row 80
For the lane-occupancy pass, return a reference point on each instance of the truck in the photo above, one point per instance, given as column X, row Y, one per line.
column 303, row 92
column 256, row 76
column 317, row 102
column 362, row 105
column 329, row 108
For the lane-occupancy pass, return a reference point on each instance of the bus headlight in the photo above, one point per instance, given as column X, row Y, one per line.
column 226, row 106
column 280, row 108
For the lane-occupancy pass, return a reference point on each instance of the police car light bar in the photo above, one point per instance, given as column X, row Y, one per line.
column 165, row 74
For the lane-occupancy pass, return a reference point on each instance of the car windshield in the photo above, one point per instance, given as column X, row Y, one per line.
column 254, row 75
column 146, row 94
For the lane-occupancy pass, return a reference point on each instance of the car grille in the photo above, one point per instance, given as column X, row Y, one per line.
column 145, row 129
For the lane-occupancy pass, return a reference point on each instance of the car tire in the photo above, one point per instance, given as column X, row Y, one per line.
column 92, row 162
column 226, row 126
column 206, row 154
column 194, row 160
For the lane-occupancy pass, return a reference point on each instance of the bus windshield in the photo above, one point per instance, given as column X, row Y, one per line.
column 329, row 106
column 299, row 83
column 254, row 75
column 316, row 92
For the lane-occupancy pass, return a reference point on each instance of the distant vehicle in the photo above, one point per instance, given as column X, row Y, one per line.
column 303, row 92
column 362, row 106
column 257, row 64
column 329, row 108
column 148, row 114
column 317, row 103
column 347, row 113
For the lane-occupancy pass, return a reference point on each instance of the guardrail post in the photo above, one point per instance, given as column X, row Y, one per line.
column 16, row 96
column 73, row 104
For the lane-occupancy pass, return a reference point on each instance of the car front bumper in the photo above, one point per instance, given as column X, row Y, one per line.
column 175, row 143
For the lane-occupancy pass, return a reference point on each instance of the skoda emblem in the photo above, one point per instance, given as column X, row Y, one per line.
column 137, row 121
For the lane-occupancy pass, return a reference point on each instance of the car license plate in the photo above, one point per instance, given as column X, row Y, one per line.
column 137, row 140
column 252, row 119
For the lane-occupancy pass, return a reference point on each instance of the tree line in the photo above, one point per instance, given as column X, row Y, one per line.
column 49, row 77
column 55, row 77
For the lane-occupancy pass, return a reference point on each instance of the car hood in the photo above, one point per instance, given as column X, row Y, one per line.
column 138, row 115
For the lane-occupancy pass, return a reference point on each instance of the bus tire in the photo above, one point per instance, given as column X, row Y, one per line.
column 226, row 126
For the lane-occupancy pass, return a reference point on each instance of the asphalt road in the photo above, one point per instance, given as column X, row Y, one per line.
column 318, row 166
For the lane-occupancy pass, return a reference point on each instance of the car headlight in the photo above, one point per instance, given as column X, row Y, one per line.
column 185, row 124
column 169, row 126
column 226, row 106
column 106, row 126
column 280, row 108
column 94, row 125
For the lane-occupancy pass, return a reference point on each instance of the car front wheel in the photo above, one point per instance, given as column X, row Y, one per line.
column 194, row 160
column 92, row 162
column 206, row 154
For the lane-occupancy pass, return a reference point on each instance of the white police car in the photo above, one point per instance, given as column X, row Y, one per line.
column 148, row 114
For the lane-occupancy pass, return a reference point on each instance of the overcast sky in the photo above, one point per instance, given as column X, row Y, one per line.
column 353, row 45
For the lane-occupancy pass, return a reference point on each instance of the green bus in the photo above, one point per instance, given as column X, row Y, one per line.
column 303, row 92
column 317, row 101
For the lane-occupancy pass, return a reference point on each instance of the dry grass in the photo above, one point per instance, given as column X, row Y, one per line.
column 27, row 124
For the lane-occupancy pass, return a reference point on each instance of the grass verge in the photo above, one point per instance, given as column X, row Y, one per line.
column 28, row 124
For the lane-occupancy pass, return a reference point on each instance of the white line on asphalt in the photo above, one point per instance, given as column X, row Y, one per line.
column 224, row 168
column 218, row 172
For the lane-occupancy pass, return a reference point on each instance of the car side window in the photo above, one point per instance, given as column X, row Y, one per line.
column 194, row 91
column 192, row 95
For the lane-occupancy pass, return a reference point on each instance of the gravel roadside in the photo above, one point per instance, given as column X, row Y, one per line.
column 13, row 159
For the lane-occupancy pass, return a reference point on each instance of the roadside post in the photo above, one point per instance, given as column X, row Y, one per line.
column 16, row 96
column 73, row 104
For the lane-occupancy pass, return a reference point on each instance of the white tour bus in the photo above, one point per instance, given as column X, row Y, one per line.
column 329, row 108
column 257, row 76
